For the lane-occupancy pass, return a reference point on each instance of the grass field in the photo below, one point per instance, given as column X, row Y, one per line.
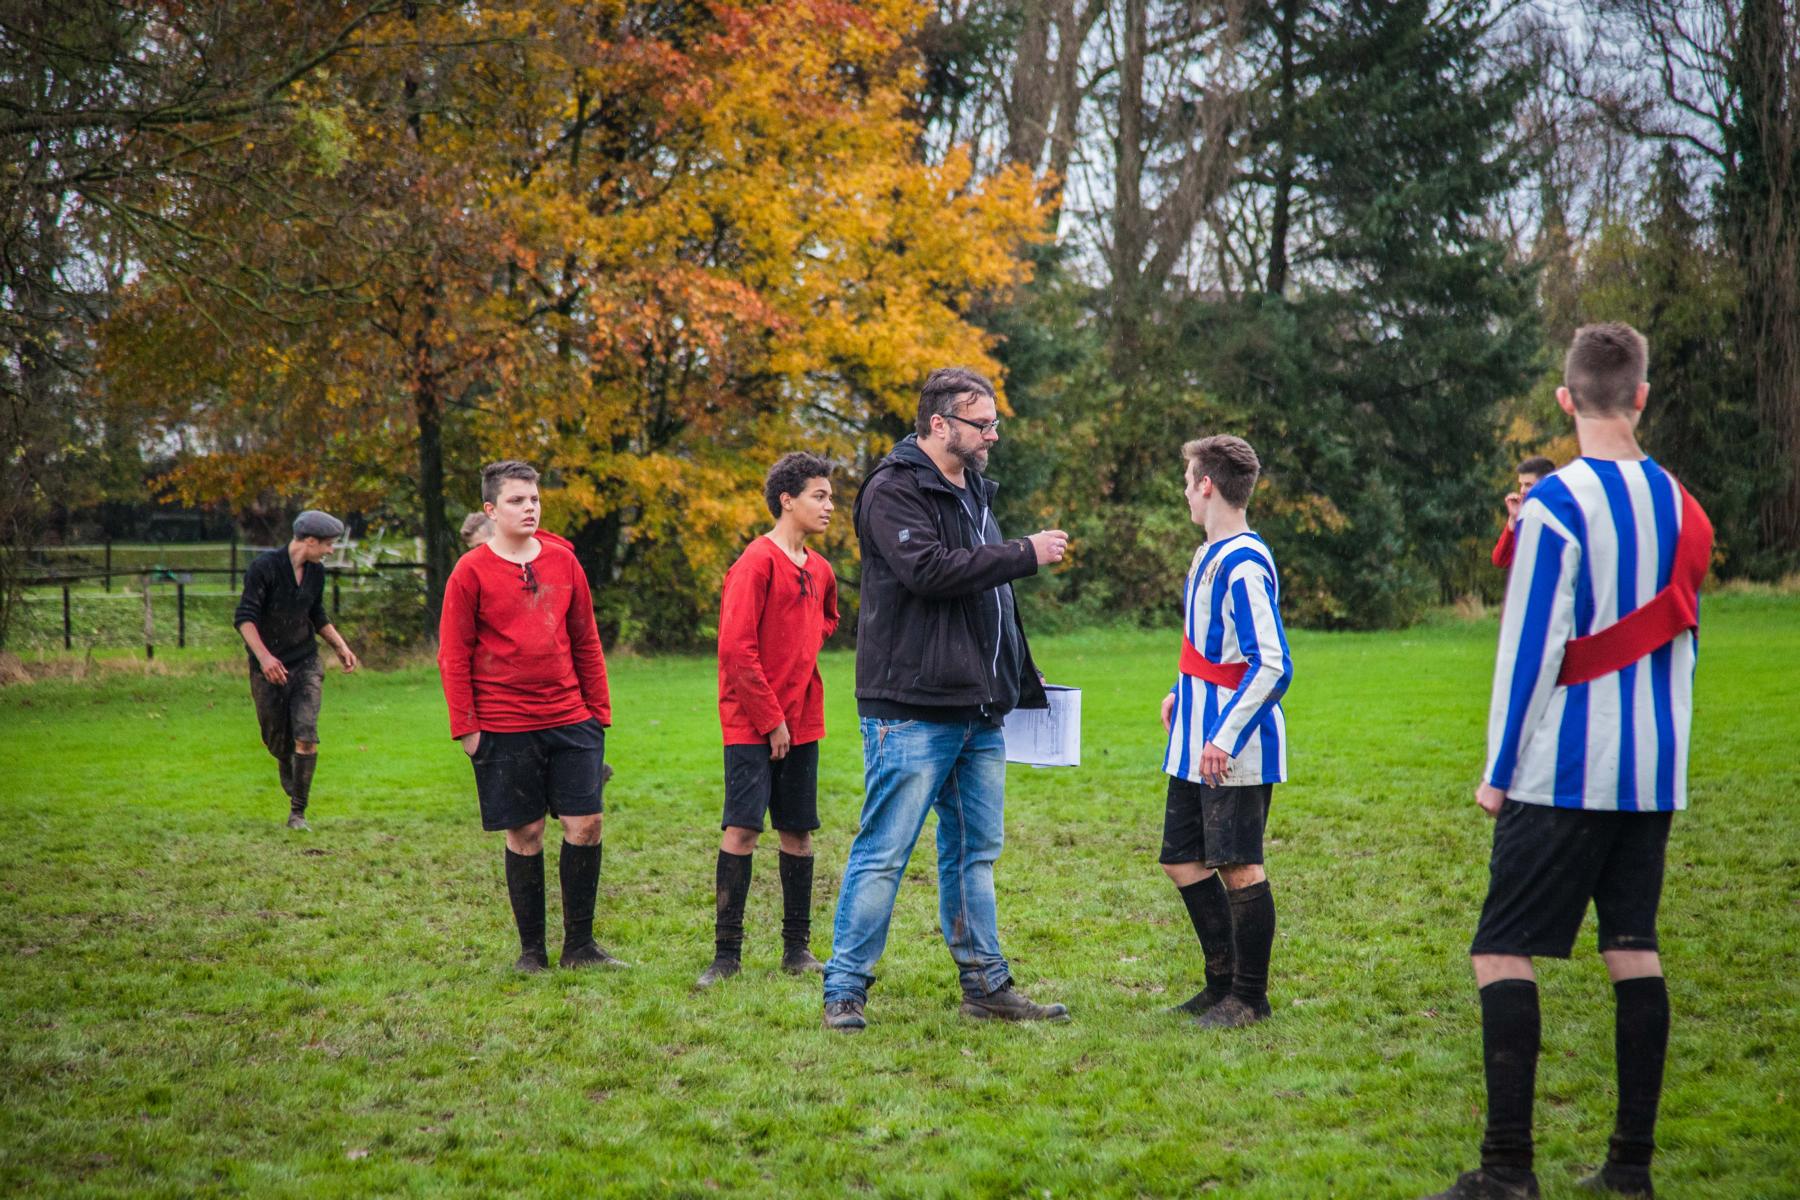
column 197, row 1002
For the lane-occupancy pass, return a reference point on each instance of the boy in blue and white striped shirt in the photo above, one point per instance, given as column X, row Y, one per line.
column 1587, row 757
column 1227, row 737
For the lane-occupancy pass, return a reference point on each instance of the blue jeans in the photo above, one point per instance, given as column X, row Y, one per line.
column 909, row 769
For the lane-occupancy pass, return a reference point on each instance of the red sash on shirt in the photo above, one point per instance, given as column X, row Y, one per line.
column 1669, row 613
column 1194, row 663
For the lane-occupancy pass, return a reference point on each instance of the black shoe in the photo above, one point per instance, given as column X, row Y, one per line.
column 590, row 955
column 1010, row 1004
column 1479, row 1185
column 532, row 961
column 722, row 968
column 798, row 960
column 845, row 1016
column 1199, row 1002
column 1614, row 1180
column 1232, row 1013
column 298, row 823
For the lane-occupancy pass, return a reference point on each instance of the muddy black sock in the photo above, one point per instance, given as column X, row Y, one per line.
column 731, row 880
column 1641, row 1046
column 525, row 888
column 286, row 763
column 1510, row 1031
column 303, row 777
column 796, row 900
column 1252, row 941
column 579, row 871
column 1210, row 912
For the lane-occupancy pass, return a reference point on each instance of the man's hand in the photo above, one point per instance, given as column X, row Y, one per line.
column 1490, row 798
column 1214, row 762
column 470, row 741
column 1049, row 545
column 1513, row 500
column 273, row 671
column 780, row 742
column 1168, row 713
column 347, row 656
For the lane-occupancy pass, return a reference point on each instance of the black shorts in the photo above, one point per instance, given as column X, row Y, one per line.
column 1546, row 865
column 289, row 712
column 521, row 777
column 787, row 789
column 1214, row 826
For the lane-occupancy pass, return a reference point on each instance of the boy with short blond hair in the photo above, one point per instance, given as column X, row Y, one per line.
column 1587, row 759
column 1227, row 737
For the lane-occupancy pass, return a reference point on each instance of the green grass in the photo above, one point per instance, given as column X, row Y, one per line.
column 196, row 1002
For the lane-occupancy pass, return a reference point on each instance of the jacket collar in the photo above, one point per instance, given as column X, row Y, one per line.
column 908, row 453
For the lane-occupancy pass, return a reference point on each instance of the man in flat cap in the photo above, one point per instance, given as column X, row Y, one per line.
column 283, row 606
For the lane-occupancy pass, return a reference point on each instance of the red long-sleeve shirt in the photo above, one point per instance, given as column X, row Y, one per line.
column 1503, row 549
column 773, row 618
column 513, row 660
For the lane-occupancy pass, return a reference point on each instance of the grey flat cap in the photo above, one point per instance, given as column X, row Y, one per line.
column 315, row 524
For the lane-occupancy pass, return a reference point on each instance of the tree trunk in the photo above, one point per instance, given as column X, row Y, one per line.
column 1284, row 165
column 428, row 406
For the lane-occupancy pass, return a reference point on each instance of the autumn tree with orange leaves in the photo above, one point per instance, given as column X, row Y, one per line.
column 648, row 247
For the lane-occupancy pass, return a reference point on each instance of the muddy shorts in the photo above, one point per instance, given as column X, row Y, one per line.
column 1214, row 826
column 785, row 789
column 289, row 712
column 1546, row 865
column 522, row 777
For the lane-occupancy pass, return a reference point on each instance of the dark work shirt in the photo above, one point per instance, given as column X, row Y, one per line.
column 998, row 637
column 285, row 613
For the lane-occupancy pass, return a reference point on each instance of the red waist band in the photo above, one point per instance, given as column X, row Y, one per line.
column 1669, row 613
column 1200, row 667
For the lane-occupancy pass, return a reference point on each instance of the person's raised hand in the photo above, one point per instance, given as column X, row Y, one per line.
column 1049, row 545
column 1513, row 500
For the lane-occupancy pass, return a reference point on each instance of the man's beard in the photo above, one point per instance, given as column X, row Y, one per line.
column 974, row 458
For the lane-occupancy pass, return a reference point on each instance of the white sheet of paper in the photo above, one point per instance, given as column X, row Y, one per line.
column 1047, row 737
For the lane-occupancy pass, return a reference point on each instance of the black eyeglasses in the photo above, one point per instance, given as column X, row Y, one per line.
column 981, row 427
column 529, row 577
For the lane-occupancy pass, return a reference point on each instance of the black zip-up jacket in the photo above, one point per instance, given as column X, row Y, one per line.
column 928, row 634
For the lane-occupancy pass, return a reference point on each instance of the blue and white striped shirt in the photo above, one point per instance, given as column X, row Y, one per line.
column 1595, row 541
column 1234, row 615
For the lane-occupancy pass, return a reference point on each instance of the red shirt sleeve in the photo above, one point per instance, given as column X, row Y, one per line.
column 1503, row 549
column 831, row 601
column 584, row 645
column 741, row 674
column 456, row 650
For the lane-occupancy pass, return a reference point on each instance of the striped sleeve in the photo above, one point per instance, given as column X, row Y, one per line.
column 1538, row 621
column 1257, row 624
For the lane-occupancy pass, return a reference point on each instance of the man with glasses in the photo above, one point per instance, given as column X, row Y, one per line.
column 940, row 660
column 525, row 680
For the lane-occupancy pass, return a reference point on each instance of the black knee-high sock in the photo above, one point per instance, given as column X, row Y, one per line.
column 1641, row 1044
column 1510, row 1030
column 731, row 882
column 525, row 888
column 1210, row 912
column 1252, row 941
column 286, row 764
column 796, row 900
column 303, row 777
column 579, row 870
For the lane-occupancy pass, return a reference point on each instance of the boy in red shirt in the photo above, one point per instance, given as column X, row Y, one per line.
column 1531, row 472
column 525, row 680
column 779, row 605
